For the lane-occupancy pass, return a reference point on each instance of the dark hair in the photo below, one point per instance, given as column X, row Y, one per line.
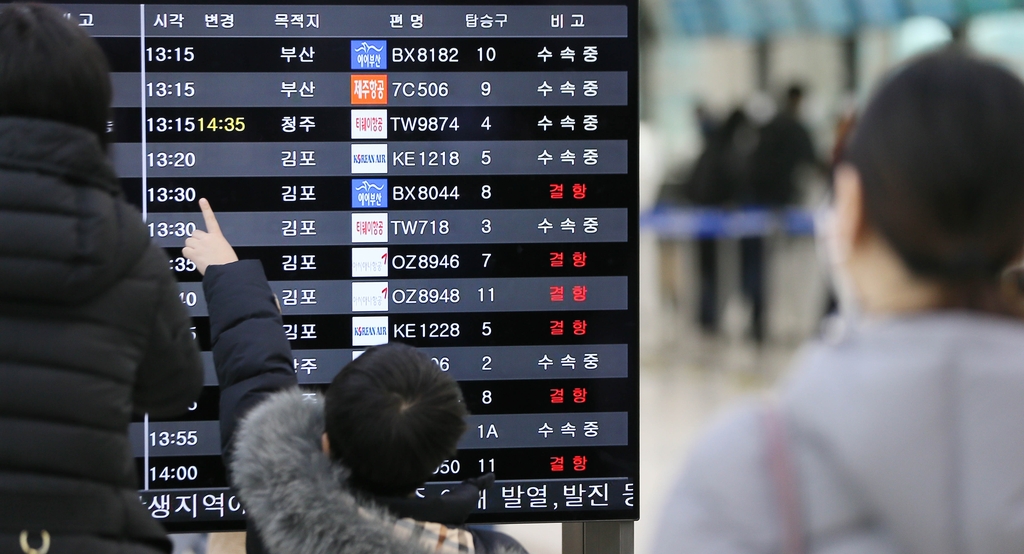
column 52, row 69
column 794, row 95
column 392, row 416
column 940, row 152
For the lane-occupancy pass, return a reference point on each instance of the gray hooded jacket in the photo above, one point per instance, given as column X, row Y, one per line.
column 907, row 436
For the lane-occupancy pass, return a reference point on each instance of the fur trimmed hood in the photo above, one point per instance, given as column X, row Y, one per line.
column 296, row 497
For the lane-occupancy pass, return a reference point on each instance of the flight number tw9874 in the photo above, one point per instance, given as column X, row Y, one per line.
column 425, row 124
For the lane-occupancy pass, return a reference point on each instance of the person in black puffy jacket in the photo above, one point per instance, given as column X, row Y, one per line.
column 91, row 327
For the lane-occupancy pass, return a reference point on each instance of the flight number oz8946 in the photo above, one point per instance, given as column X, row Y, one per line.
column 425, row 261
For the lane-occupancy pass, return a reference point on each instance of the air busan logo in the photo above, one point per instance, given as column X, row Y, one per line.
column 369, row 331
column 369, row 124
column 369, row 158
column 369, row 193
column 370, row 297
column 369, row 262
column 369, row 54
column 369, row 227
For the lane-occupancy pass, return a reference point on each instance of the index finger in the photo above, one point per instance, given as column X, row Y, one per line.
column 212, row 226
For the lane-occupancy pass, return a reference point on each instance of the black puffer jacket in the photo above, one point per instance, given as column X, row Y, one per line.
column 91, row 330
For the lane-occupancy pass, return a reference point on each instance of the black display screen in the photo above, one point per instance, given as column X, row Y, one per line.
column 459, row 177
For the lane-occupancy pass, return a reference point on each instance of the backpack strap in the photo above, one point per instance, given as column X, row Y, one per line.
column 784, row 481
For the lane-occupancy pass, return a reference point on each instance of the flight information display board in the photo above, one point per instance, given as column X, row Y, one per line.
column 459, row 177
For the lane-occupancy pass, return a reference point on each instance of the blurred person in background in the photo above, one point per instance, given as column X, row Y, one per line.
column 91, row 327
column 784, row 145
column 715, row 181
column 902, row 434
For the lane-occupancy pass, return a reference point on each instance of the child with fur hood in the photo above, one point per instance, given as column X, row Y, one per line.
column 334, row 476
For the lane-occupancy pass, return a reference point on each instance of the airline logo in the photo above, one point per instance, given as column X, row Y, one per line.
column 369, row 89
column 370, row 262
column 369, row 227
column 369, row 124
column 369, row 331
column 369, row 158
column 369, row 54
column 370, row 296
column 369, row 193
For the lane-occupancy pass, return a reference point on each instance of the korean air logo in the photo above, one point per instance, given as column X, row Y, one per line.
column 369, row 331
column 372, row 227
column 370, row 297
column 370, row 262
column 369, row 158
column 369, row 54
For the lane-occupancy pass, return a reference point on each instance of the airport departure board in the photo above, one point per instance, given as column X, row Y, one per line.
column 461, row 177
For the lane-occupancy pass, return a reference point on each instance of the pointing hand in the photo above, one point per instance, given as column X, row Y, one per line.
column 206, row 248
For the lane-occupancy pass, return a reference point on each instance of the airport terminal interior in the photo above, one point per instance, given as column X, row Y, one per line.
column 714, row 329
column 703, row 59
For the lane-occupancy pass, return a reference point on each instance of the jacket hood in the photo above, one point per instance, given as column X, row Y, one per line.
column 65, row 232
column 296, row 497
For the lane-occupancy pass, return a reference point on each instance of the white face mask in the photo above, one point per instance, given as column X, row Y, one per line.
column 833, row 257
